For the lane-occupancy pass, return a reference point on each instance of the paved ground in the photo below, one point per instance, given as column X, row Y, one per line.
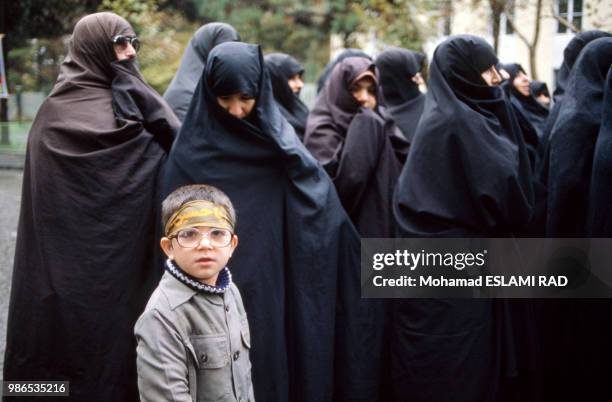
column 10, row 195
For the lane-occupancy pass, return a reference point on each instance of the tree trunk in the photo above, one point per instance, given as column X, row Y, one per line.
column 496, row 12
column 533, row 62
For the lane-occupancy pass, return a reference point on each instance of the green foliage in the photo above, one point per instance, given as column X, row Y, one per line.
column 44, row 18
column 403, row 23
column 297, row 28
column 35, row 67
column 300, row 28
column 163, row 35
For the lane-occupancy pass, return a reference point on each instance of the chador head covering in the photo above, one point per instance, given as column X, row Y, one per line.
column 531, row 114
column 401, row 95
column 572, row 141
column 334, row 110
column 465, row 120
column 539, row 88
column 282, row 197
column 350, row 52
column 181, row 89
column 281, row 67
column 467, row 175
column 600, row 194
column 570, row 55
column 86, row 237
column 359, row 147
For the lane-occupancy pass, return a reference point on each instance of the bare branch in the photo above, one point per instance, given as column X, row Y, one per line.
column 563, row 21
column 518, row 33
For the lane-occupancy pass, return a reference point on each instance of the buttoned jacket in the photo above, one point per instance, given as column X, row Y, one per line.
column 193, row 346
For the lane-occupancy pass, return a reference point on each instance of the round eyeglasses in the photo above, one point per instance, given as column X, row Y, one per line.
column 123, row 40
column 192, row 237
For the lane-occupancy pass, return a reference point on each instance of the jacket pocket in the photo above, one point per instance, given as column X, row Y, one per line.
column 245, row 334
column 214, row 377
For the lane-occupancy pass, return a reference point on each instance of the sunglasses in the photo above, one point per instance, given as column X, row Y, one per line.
column 123, row 40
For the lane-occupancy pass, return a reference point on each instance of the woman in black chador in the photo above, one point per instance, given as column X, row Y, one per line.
column 297, row 266
column 181, row 89
column 350, row 52
column 86, row 238
column 286, row 76
column 467, row 175
column 530, row 114
column 572, row 142
column 600, row 195
column 577, row 351
column 399, row 79
column 570, row 55
column 539, row 90
column 361, row 149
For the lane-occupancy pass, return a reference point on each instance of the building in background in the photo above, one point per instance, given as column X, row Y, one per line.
column 557, row 19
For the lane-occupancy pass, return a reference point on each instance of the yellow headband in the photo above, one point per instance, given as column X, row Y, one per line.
column 199, row 213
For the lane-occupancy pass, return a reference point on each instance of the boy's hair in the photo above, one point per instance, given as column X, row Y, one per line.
column 194, row 192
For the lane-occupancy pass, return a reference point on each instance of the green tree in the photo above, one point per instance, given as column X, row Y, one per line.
column 163, row 34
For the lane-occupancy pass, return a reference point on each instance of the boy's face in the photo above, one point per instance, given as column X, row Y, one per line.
column 204, row 260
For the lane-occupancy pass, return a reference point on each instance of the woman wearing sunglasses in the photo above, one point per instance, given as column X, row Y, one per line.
column 86, row 232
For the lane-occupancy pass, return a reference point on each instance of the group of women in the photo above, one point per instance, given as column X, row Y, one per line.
column 375, row 157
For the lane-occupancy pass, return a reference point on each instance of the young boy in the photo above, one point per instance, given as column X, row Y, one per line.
column 193, row 337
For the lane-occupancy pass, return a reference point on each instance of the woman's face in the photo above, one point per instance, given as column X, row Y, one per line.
column 239, row 105
column 125, row 47
column 491, row 76
column 296, row 84
column 521, row 83
column 364, row 91
column 544, row 100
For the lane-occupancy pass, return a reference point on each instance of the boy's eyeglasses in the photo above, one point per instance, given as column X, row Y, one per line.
column 191, row 237
column 123, row 40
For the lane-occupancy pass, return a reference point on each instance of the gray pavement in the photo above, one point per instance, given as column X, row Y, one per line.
column 10, row 196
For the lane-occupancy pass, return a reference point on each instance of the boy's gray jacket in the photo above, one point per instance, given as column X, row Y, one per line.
column 193, row 346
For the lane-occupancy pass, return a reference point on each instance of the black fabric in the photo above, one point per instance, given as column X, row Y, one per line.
column 281, row 67
column 528, row 106
column 530, row 114
column 356, row 146
column 539, row 88
column 467, row 174
column 576, row 350
column 600, row 194
column 572, row 141
column 86, row 234
column 350, row 52
column 297, row 264
column 401, row 95
column 570, row 55
column 179, row 92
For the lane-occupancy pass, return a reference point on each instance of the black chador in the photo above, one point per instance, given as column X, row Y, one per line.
column 527, row 105
column 357, row 145
column 576, row 333
column 350, row 52
column 572, row 141
column 530, row 114
column 570, row 55
column 181, row 89
column 467, row 174
column 599, row 220
column 281, row 67
column 297, row 265
column 86, row 237
column 401, row 95
column 539, row 88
